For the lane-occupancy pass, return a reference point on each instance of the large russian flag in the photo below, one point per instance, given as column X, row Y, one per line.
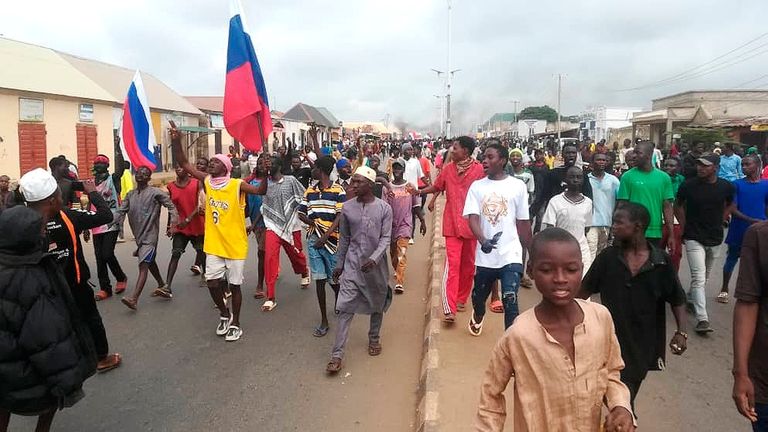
column 137, row 137
column 246, row 107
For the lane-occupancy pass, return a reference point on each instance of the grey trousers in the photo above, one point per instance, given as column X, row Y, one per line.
column 342, row 331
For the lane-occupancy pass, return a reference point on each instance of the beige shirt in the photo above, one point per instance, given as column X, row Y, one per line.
column 549, row 393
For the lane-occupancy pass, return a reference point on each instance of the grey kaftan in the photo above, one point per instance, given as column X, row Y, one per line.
column 365, row 229
column 143, row 209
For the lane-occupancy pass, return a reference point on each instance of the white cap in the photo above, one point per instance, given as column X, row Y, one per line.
column 37, row 185
column 367, row 172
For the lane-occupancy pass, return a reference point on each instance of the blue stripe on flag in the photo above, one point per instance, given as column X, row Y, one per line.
column 240, row 50
column 140, row 123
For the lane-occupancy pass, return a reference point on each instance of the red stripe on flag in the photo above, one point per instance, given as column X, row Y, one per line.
column 243, row 108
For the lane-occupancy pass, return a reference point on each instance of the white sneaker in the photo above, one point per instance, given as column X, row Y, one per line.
column 305, row 281
column 410, row 242
column 399, row 289
column 234, row 333
column 224, row 323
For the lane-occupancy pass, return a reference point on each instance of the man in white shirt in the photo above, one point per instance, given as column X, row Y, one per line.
column 497, row 209
column 413, row 171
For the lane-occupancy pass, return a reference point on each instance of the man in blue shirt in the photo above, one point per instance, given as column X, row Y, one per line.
column 604, row 188
column 730, row 164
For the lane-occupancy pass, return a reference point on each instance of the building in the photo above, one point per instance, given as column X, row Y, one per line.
column 700, row 108
column 499, row 124
column 53, row 103
column 598, row 122
column 329, row 128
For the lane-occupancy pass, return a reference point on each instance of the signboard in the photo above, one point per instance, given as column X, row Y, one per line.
column 30, row 110
column 759, row 128
column 86, row 113
column 217, row 121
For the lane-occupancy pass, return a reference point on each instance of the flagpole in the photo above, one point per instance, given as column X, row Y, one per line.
column 264, row 144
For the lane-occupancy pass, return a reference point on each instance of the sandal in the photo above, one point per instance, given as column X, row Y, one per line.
column 497, row 306
column 120, row 286
column 162, row 291
column 374, row 349
column 110, row 362
column 722, row 297
column 268, row 306
column 101, row 295
column 259, row 294
column 333, row 366
column 129, row 302
column 449, row 318
column 461, row 307
column 320, row 331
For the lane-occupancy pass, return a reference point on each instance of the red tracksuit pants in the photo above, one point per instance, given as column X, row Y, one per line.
column 272, row 244
column 459, row 271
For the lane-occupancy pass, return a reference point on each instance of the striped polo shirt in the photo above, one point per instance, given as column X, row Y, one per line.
column 321, row 206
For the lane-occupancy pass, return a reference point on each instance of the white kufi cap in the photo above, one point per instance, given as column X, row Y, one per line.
column 37, row 185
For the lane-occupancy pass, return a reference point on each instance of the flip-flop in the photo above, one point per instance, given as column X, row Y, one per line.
column 320, row 331
column 374, row 349
column 101, row 295
column 497, row 306
column 461, row 307
column 131, row 304
column 120, row 286
column 116, row 360
column 259, row 294
column 268, row 306
column 722, row 297
column 334, row 366
column 162, row 291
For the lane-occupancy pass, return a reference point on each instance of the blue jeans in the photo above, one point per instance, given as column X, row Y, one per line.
column 510, row 276
column 762, row 418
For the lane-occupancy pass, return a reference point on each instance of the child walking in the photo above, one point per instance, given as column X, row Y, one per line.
column 404, row 207
column 142, row 206
column 572, row 211
column 550, row 394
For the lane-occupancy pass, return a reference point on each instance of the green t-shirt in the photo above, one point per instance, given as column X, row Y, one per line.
column 649, row 189
column 676, row 182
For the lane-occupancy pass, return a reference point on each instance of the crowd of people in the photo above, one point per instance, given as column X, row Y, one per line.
column 575, row 221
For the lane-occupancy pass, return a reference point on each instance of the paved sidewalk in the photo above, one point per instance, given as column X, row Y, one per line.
column 694, row 393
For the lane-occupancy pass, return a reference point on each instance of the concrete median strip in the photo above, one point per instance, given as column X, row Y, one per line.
column 427, row 411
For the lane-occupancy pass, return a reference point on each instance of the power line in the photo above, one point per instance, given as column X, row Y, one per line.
column 695, row 70
column 751, row 81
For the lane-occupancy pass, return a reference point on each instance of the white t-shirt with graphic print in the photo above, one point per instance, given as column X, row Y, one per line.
column 500, row 204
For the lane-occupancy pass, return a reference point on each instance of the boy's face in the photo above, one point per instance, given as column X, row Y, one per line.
column 4, row 181
column 375, row 162
column 748, row 165
column 202, row 165
column 143, row 174
column 670, row 167
column 556, row 269
column 622, row 227
column 574, row 179
column 295, row 163
column 397, row 171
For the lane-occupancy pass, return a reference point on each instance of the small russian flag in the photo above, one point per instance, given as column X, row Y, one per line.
column 246, row 107
column 137, row 137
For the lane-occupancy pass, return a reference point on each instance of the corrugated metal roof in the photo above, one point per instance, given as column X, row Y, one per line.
column 33, row 68
column 328, row 115
column 116, row 79
column 308, row 114
column 734, row 122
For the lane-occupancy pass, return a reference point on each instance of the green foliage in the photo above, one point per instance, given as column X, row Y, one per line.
column 539, row 113
column 706, row 135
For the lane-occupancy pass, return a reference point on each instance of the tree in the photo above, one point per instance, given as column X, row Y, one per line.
column 539, row 113
column 706, row 135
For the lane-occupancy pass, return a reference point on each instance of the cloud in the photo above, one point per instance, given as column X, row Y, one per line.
column 368, row 59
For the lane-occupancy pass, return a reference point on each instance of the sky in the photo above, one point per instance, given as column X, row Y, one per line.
column 371, row 60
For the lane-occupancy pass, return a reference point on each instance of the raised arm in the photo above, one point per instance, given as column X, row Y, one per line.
column 82, row 219
column 181, row 156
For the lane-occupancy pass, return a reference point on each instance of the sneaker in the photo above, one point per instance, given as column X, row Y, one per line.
column 475, row 329
column 410, row 242
column 399, row 289
column 224, row 324
column 703, row 327
column 233, row 334
column 305, row 281
column 195, row 269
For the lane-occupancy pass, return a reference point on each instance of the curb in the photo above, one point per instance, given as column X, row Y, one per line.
column 427, row 413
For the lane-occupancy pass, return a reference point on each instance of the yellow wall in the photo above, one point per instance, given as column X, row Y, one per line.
column 60, row 118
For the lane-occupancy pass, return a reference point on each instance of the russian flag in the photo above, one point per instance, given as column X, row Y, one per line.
column 137, row 137
column 246, row 107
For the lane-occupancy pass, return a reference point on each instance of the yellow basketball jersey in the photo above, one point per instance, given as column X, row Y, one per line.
column 225, row 234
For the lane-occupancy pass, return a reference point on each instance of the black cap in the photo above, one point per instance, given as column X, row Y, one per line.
column 709, row 159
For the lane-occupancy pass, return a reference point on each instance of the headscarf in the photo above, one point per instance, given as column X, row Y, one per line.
column 218, row 182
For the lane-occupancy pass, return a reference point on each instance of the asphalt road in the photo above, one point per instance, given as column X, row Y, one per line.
column 179, row 376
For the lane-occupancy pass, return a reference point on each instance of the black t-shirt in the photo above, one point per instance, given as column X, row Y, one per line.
column 303, row 175
column 752, row 287
column 704, row 204
column 637, row 305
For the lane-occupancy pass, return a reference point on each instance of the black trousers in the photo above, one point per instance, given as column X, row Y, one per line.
column 86, row 304
column 104, row 249
column 634, row 386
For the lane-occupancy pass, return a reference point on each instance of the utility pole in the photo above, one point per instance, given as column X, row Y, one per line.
column 514, row 131
column 448, row 77
column 559, row 89
column 440, row 97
